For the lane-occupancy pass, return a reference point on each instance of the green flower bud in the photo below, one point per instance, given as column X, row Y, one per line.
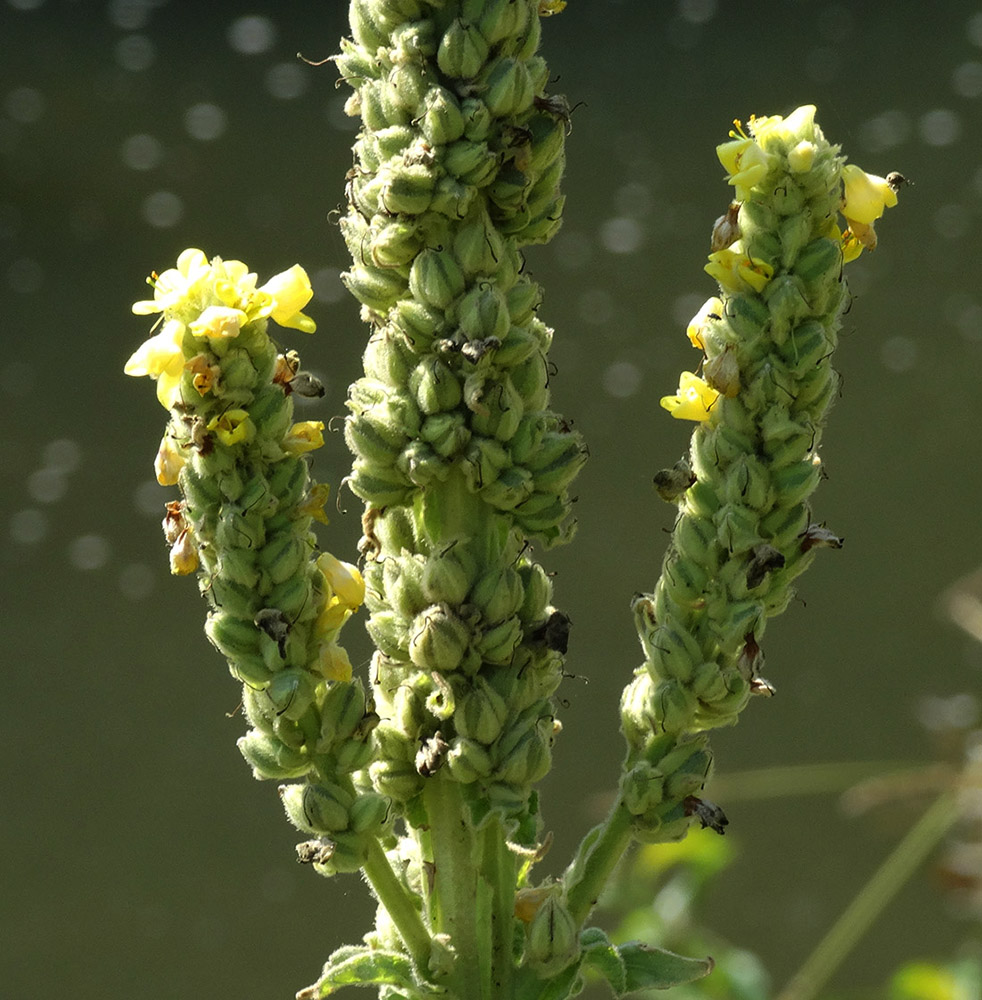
column 480, row 250
column 446, row 578
column 369, row 813
column 422, row 465
column 481, row 714
column 442, row 121
column 498, row 594
column 510, row 88
column 557, row 461
column 497, row 644
column 435, row 386
column 483, row 313
column 378, row 486
column 553, row 939
column 436, row 278
column 467, row 760
column 498, row 408
column 292, row 692
column 375, row 288
column 462, row 52
column 477, row 118
column 438, row 639
column 389, row 633
column 511, row 487
column 364, row 27
column 283, row 557
column 538, row 593
column 407, row 189
column 419, row 323
column 403, row 584
column 642, row 788
column 232, row 636
column 269, row 758
column 397, row 243
column 447, row 433
column 676, row 706
column 471, row 162
column 373, row 441
column 321, row 808
column 343, row 711
column 406, row 86
column 397, row 779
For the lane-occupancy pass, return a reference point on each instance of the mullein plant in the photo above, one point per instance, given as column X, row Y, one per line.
column 425, row 779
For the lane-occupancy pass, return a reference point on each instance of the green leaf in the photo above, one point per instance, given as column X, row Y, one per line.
column 356, row 965
column 565, row 984
column 599, row 954
column 655, row 969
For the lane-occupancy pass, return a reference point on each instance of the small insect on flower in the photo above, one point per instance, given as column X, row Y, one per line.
column 708, row 813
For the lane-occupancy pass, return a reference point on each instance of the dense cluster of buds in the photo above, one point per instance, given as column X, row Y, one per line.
column 244, row 523
column 744, row 529
column 457, row 456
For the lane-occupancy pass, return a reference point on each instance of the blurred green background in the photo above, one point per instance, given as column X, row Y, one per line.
column 140, row 859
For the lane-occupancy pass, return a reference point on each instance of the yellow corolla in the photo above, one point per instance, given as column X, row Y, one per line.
column 174, row 286
column 734, row 270
column 865, row 196
column 711, row 309
column 290, row 291
column 745, row 162
column 694, row 399
column 799, row 125
column 303, row 436
column 161, row 357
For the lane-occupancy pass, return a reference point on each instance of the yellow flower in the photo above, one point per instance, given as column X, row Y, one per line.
column 169, row 462
column 801, row 158
column 693, row 400
column 313, row 503
column 174, row 285
column 549, row 7
column 333, row 662
column 711, row 309
column 745, row 162
column 800, row 124
column 290, row 291
column 219, row 322
column 345, row 580
column 233, row 427
column 865, row 196
column 183, row 554
column 161, row 357
column 303, row 436
column 734, row 270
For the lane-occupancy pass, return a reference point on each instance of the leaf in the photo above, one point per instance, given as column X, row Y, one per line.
column 655, row 969
column 356, row 965
column 599, row 954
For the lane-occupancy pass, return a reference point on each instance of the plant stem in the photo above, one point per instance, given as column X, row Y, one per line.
column 599, row 853
column 458, row 892
column 498, row 865
column 392, row 894
column 846, row 932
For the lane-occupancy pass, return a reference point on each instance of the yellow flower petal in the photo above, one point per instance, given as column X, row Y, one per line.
column 344, row 579
column 303, row 436
column 745, row 162
column 693, row 400
column 169, row 462
column 800, row 124
column 865, row 196
column 290, row 291
column 333, row 662
column 218, row 321
column 233, row 427
column 711, row 309
column 734, row 270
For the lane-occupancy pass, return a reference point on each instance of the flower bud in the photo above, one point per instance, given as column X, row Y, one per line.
column 342, row 711
column 481, row 714
column 369, row 813
column 462, row 52
column 291, row 692
column 317, row 808
column 467, row 760
column 509, row 90
column 442, row 121
column 269, row 758
column 407, row 189
column 438, row 639
column 378, row 289
column 436, row 278
column 553, row 941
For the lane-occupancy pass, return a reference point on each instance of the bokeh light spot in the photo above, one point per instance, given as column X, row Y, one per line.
column 162, row 209
column 89, row 552
column 251, row 35
column 205, row 122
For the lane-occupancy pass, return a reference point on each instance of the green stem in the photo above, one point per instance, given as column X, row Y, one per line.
column 600, row 851
column 498, row 865
column 398, row 903
column 457, row 892
column 846, row 932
